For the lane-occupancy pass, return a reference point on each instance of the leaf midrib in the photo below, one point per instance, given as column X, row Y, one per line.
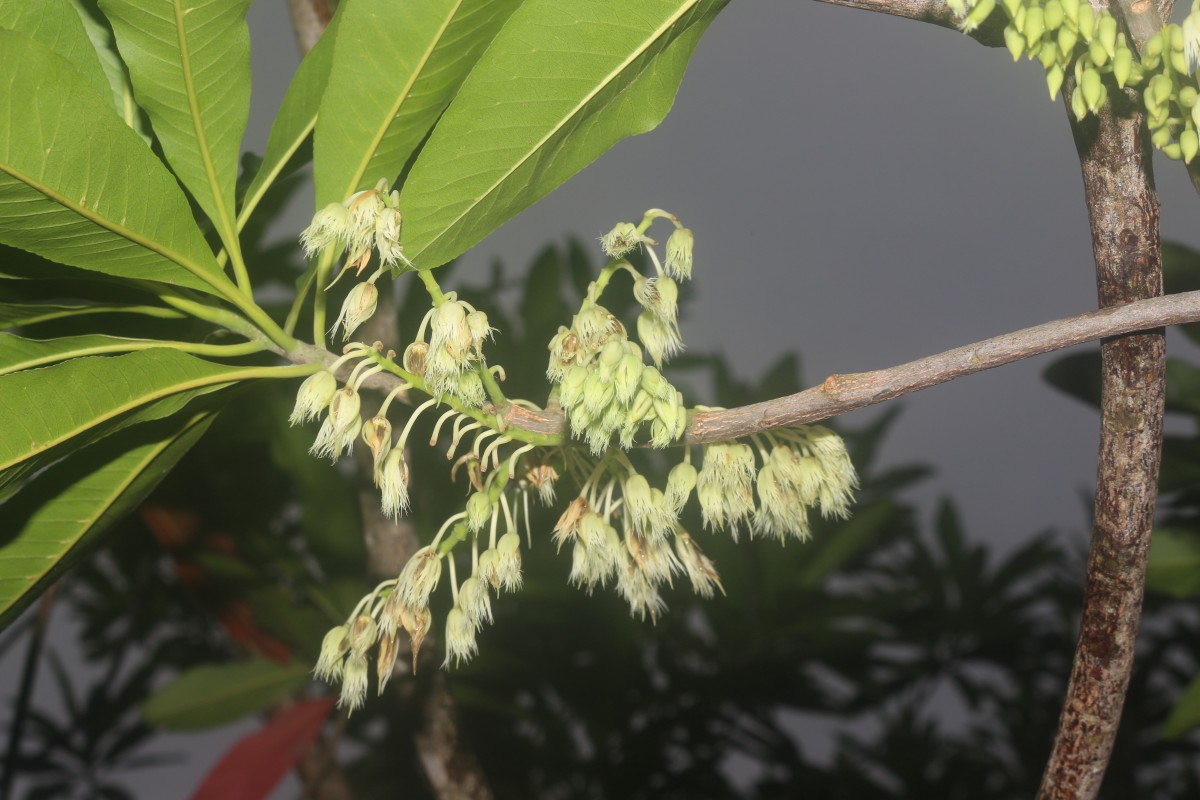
column 232, row 376
column 608, row 79
column 418, row 69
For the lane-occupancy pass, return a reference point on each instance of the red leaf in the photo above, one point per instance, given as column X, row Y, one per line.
column 252, row 767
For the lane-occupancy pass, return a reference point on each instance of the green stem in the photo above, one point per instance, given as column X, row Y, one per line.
column 492, row 386
column 324, row 266
column 489, row 420
column 293, row 315
column 431, row 286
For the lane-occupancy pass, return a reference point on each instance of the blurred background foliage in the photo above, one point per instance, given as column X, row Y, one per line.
column 883, row 659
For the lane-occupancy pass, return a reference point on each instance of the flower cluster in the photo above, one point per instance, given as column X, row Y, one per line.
column 1070, row 37
column 447, row 362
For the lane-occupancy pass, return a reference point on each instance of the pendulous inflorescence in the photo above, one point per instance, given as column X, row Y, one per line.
column 1071, row 39
column 620, row 529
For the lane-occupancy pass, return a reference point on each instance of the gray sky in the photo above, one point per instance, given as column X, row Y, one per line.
column 863, row 190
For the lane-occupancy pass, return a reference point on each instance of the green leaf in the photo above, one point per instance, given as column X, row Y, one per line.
column 562, row 82
column 95, row 396
column 68, row 505
column 1186, row 713
column 395, row 68
column 18, row 353
column 103, row 202
column 190, row 67
column 56, row 24
column 13, row 315
column 208, row 696
column 296, row 118
column 105, row 45
column 1174, row 565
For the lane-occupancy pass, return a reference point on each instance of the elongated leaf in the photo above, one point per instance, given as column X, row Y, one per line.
column 214, row 695
column 102, row 202
column 14, row 315
column 189, row 61
column 562, row 82
column 59, row 512
column 395, row 68
column 56, row 24
column 18, row 353
column 105, row 45
column 297, row 115
column 44, row 408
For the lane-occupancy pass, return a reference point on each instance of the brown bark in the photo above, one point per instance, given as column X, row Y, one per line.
column 1114, row 154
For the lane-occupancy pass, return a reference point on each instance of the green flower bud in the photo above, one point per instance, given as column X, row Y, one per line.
column 460, row 638
column 699, row 568
column 1047, row 54
column 1161, row 137
column 1188, row 96
column 680, row 482
column 1106, row 32
column 508, row 561
column 1014, row 41
column 1086, row 21
column 1071, row 10
column 341, row 425
column 1054, row 80
column 1011, row 6
column 334, row 648
column 474, row 601
column 393, row 484
column 363, row 633
column 419, row 578
column 1035, row 26
column 1173, row 151
column 621, row 240
column 1054, row 15
column 1066, row 41
column 329, row 227
column 1160, row 89
column 481, row 331
column 313, row 397
column 628, row 377
column 468, row 387
column 1078, row 107
column 679, row 254
column 387, row 238
column 1196, row 115
column 358, row 307
column 479, row 511
column 1093, row 90
column 660, row 339
column 570, row 392
column 1097, row 53
column 1122, row 66
column 981, row 11
column 1179, row 62
column 354, row 683
column 1189, row 144
column 597, row 393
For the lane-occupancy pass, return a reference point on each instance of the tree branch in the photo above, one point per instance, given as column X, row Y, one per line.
column 1115, row 157
column 935, row 12
column 841, row 393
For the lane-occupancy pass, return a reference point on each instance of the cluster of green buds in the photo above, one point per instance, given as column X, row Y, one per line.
column 603, row 383
column 453, row 355
column 1070, row 37
column 622, row 531
column 803, row 467
column 368, row 221
column 648, row 551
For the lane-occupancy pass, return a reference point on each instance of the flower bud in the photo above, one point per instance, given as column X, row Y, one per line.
column 1015, row 42
column 699, row 568
column 334, row 648
column 477, row 324
column 679, row 254
column 468, row 387
column 597, row 393
column 393, row 484
column 341, row 425
column 377, row 436
column 460, row 638
column 354, row 682
column 329, row 227
column 1106, row 32
column 621, row 240
column 385, row 660
column 479, row 511
column 680, row 483
column 508, row 561
column 419, row 578
column 474, row 601
column 638, row 591
column 417, row 624
column 313, row 397
column 387, row 238
column 660, row 339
